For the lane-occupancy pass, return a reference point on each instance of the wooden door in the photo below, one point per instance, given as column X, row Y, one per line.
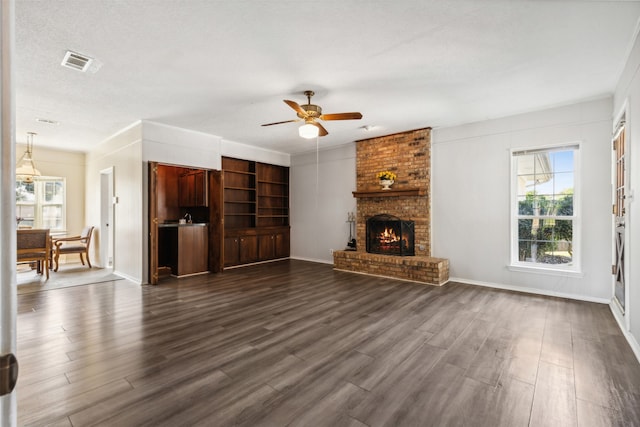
column 216, row 216
column 192, row 250
column 619, row 213
column 266, row 247
column 153, row 223
column 282, row 245
column 200, row 188
column 231, row 251
column 248, row 249
column 186, row 186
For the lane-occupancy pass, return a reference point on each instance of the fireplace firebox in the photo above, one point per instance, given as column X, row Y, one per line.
column 390, row 235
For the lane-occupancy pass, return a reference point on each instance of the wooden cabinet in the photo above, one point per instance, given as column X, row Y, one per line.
column 240, row 249
column 193, row 256
column 184, row 249
column 273, row 245
column 192, row 189
column 256, row 211
column 253, row 245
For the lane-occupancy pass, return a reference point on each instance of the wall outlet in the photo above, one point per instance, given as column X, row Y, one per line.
column 422, row 247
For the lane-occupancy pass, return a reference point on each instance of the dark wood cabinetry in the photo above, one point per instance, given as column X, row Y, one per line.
column 240, row 249
column 273, row 245
column 273, row 195
column 240, row 193
column 256, row 211
column 192, row 189
column 184, row 249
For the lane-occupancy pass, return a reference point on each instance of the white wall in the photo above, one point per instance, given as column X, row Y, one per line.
column 69, row 165
column 627, row 100
column 320, row 189
column 122, row 152
column 471, row 197
column 177, row 146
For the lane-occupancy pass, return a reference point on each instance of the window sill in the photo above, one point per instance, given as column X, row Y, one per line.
column 545, row 271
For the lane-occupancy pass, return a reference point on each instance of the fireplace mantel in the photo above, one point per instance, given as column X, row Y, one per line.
column 402, row 192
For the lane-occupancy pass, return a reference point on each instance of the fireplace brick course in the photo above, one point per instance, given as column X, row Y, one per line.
column 408, row 155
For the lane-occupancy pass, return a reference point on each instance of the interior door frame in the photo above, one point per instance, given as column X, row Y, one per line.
column 621, row 126
column 153, row 223
column 107, row 217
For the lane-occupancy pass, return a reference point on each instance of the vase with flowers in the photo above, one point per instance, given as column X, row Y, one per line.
column 387, row 178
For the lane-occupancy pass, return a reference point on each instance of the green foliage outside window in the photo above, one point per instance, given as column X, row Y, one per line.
column 546, row 237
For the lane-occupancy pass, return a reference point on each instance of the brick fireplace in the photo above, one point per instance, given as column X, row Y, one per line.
column 408, row 155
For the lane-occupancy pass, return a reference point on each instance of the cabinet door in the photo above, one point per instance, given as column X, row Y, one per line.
column 231, row 251
column 186, row 185
column 200, row 188
column 266, row 247
column 192, row 250
column 248, row 249
column 281, row 246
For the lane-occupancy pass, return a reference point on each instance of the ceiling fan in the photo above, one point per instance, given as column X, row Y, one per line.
column 309, row 113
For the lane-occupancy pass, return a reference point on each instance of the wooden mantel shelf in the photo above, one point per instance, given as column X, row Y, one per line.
column 400, row 192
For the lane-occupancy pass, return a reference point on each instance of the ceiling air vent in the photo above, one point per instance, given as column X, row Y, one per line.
column 77, row 61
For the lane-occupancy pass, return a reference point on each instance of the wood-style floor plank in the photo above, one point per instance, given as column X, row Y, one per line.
column 294, row 343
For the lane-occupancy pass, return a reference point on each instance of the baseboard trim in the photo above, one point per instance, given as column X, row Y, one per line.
column 231, row 267
column 530, row 290
column 621, row 321
column 321, row 261
column 135, row 280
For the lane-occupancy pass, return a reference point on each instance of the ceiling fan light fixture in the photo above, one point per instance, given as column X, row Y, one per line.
column 308, row 131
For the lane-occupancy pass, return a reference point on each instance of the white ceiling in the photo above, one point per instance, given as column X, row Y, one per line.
column 224, row 67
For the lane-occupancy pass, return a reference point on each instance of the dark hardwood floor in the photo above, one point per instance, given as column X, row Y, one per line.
column 294, row 343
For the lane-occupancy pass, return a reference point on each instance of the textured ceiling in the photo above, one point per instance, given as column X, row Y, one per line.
column 224, row 67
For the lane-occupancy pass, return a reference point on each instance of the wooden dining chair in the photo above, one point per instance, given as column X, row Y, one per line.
column 73, row 245
column 34, row 245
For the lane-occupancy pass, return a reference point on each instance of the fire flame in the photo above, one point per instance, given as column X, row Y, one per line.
column 388, row 236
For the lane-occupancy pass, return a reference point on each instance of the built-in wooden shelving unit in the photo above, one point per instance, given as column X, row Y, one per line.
column 256, row 211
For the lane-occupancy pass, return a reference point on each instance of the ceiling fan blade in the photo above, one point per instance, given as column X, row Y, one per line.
column 279, row 123
column 321, row 128
column 296, row 107
column 341, row 116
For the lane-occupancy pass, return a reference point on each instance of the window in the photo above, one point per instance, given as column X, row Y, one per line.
column 545, row 230
column 41, row 203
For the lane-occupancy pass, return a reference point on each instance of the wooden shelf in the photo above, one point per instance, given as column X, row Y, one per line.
column 402, row 192
column 256, row 211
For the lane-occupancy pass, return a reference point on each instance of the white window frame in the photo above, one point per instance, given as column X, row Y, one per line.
column 575, row 267
column 40, row 202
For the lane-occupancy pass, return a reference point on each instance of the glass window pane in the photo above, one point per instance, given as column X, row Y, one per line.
column 525, row 227
column 525, row 184
column 562, row 161
column 542, row 205
column 40, row 204
column 25, row 191
column 53, row 192
column 52, row 216
column 564, row 205
column 525, row 205
column 25, row 211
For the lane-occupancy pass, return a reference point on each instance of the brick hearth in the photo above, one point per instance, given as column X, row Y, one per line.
column 408, row 154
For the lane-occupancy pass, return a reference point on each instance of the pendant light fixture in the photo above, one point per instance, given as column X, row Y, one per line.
column 26, row 168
